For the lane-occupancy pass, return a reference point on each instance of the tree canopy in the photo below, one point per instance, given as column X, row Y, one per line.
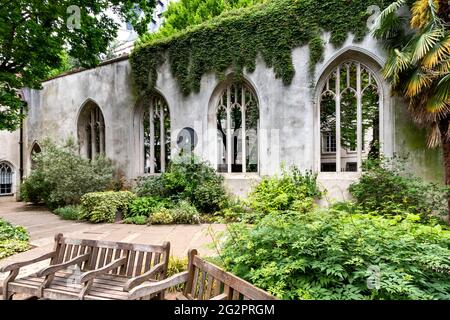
column 34, row 35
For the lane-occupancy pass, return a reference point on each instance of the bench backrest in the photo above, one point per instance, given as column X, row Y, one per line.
column 208, row 281
column 140, row 257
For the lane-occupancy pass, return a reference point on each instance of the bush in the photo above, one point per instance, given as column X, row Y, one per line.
column 60, row 176
column 185, row 213
column 12, row 239
column 182, row 213
column 103, row 206
column 69, row 212
column 331, row 254
column 187, row 179
column 136, row 220
column 290, row 191
column 386, row 188
column 163, row 216
column 144, row 206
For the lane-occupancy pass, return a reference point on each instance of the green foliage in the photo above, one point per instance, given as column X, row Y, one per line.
column 176, row 265
column 35, row 33
column 70, row 212
column 12, row 239
column 136, row 220
column 290, row 191
column 60, row 176
column 187, row 13
column 103, row 206
column 272, row 30
column 144, row 206
column 387, row 188
column 163, row 216
column 328, row 254
column 187, row 179
column 182, row 213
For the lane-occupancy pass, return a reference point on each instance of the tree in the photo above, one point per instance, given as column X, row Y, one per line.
column 418, row 66
column 34, row 36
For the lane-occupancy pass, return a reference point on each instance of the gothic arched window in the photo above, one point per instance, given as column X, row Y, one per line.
column 6, row 178
column 237, row 115
column 156, row 135
column 349, row 118
column 91, row 131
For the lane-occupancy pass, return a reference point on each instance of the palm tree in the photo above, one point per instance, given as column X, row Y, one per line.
column 418, row 65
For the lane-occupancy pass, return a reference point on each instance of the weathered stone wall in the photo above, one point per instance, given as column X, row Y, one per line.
column 289, row 127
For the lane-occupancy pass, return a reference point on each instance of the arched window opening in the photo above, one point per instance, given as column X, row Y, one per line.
column 6, row 179
column 237, row 117
column 35, row 150
column 349, row 118
column 91, row 131
column 156, row 135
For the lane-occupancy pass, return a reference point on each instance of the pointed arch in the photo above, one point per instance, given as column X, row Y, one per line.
column 234, row 110
column 6, row 178
column 35, row 149
column 91, row 129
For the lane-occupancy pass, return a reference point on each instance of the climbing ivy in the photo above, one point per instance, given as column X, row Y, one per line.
column 234, row 39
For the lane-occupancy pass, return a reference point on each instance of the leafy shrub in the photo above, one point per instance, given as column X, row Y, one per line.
column 386, row 188
column 103, row 206
column 70, row 212
column 182, row 213
column 144, row 206
column 60, row 176
column 290, row 191
column 185, row 213
column 136, row 220
column 329, row 254
column 163, row 216
column 187, row 179
column 176, row 265
column 12, row 239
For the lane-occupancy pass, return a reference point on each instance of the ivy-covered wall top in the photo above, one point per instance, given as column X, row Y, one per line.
column 235, row 38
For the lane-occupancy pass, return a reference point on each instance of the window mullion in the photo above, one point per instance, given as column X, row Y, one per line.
column 229, row 129
column 359, row 132
column 163, row 140
column 338, row 119
column 243, row 110
column 152, row 138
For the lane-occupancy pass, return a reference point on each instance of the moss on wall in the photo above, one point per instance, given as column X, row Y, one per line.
column 410, row 141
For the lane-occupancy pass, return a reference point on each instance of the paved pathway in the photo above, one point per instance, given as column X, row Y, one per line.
column 42, row 225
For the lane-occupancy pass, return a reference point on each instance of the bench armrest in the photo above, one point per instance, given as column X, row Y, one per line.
column 144, row 277
column 87, row 276
column 21, row 264
column 156, row 287
column 52, row 269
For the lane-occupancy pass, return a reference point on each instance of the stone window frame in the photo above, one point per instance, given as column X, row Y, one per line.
column 4, row 163
column 138, row 137
column 215, row 104
column 387, row 116
column 90, row 114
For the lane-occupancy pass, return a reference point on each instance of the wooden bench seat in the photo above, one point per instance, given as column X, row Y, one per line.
column 204, row 281
column 90, row 270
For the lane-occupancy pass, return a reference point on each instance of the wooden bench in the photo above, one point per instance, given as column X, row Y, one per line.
column 204, row 281
column 101, row 270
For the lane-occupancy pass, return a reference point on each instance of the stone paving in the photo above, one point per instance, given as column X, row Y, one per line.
column 42, row 226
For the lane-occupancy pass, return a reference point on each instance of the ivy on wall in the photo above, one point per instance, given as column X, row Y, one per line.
column 234, row 39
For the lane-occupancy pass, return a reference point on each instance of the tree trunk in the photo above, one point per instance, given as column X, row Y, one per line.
column 445, row 139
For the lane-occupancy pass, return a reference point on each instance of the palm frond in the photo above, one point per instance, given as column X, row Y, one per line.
column 442, row 91
column 433, row 136
column 416, row 83
column 387, row 14
column 397, row 63
column 439, row 53
column 425, row 41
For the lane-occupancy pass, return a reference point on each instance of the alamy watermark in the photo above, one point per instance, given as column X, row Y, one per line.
column 74, row 19
column 374, row 279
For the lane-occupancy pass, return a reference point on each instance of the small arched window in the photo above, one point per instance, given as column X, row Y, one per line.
column 91, row 131
column 156, row 135
column 237, row 117
column 35, row 150
column 349, row 118
column 6, row 178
